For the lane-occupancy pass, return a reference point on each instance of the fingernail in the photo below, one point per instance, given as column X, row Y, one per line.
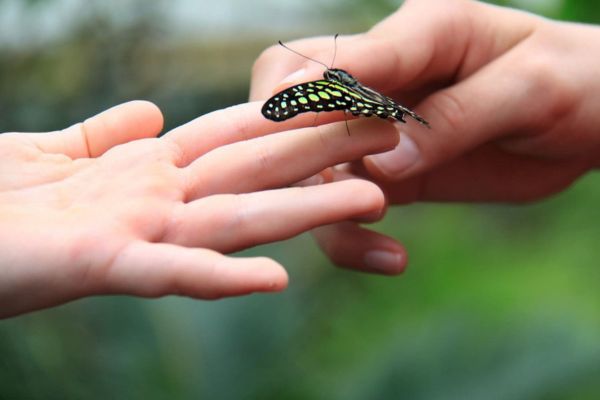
column 383, row 261
column 394, row 162
column 373, row 216
column 294, row 76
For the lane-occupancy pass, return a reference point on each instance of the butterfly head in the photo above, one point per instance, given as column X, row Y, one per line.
column 339, row 75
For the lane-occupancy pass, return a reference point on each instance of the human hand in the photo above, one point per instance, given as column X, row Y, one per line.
column 512, row 99
column 104, row 207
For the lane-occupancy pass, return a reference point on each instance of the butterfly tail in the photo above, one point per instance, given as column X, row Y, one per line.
column 401, row 111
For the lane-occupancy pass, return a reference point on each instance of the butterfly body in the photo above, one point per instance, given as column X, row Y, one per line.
column 338, row 90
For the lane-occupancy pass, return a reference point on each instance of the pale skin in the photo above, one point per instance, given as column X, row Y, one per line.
column 105, row 207
column 513, row 100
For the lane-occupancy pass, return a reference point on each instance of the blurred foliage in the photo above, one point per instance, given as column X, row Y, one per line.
column 584, row 11
column 500, row 302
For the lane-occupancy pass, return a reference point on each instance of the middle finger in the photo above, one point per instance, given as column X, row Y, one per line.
column 285, row 158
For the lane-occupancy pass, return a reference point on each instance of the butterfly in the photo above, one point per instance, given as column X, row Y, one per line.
column 338, row 90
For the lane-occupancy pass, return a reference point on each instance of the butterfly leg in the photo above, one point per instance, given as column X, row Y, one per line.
column 346, row 121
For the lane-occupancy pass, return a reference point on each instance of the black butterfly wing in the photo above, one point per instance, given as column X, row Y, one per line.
column 382, row 106
column 325, row 95
column 317, row 96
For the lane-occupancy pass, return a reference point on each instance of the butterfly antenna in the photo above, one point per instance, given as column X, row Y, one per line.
column 301, row 55
column 334, row 49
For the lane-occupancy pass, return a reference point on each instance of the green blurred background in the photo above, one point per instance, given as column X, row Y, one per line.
column 499, row 302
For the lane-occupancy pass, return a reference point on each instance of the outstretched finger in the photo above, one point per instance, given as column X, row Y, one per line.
column 93, row 137
column 219, row 128
column 279, row 160
column 232, row 222
column 350, row 246
column 159, row 269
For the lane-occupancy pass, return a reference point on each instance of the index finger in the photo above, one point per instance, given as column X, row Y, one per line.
column 225, row 126
column 425, row 42
column 378, row 58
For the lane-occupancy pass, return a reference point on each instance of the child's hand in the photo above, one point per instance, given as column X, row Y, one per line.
column 105, row 207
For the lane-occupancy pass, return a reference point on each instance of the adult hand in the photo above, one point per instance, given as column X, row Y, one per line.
column 512, row 99
column 105, row 207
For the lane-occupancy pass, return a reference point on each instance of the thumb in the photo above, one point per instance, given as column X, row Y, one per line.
column 494, row 102
column 91, row 138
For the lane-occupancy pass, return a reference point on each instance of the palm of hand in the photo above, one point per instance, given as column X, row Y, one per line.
column 102, row 204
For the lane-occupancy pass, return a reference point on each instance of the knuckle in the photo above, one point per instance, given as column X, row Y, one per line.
column 449, row 109
column 264, row 157
column 175, row 150
column 265, row 58
column 213, row 289
column 235, row 122
column 555, row 93
column 240, row 215
column 328, row 136
column 335, row 248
